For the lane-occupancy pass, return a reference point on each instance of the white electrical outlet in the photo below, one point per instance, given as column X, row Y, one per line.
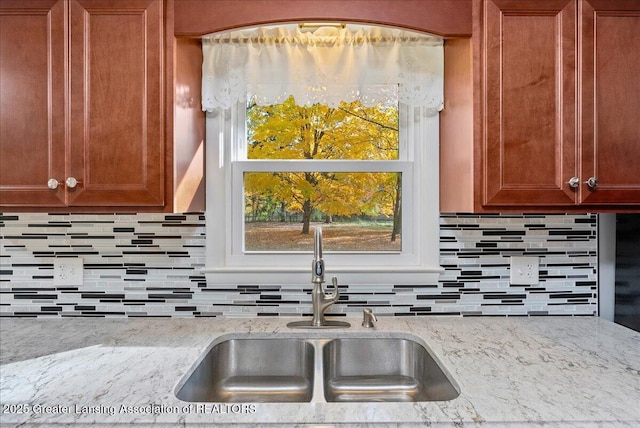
column 68, row 271
column 524, row 270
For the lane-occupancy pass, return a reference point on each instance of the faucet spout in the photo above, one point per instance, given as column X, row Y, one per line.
column 317, row 243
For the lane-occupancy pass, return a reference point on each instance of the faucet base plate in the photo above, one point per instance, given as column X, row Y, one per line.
column 327, row 324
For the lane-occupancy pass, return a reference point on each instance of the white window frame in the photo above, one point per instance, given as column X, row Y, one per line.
column 227, row 263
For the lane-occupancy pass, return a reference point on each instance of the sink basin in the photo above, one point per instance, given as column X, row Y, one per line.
column 253, row 370
column 384, row 369
column 322, row 369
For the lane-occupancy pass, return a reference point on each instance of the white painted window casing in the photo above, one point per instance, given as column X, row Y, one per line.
column 417, row 263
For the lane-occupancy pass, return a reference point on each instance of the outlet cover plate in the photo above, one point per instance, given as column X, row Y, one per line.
column 68, row 271
column 524, row 270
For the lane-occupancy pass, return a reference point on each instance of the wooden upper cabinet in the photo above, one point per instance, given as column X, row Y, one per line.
column 116, row 148
column 529, row 151
column 560, row 96
column 82, row 90
column 610, row 121
column 32, row 100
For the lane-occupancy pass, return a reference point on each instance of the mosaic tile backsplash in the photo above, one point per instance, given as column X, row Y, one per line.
column 148, row 265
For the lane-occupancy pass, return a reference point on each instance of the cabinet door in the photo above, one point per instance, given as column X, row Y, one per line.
column 529, row 87
column 610, row 119
column 32, row 102
column 116, row 145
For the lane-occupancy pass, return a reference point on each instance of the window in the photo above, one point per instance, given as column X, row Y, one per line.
column 366, row 171
column 291, row 179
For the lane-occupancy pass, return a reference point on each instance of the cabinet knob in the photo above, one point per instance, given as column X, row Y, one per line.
column 53, row 183
column 592, row 182
column 72, row 182
column 573, row 182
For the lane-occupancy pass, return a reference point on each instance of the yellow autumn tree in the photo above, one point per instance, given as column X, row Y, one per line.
column 349, row 131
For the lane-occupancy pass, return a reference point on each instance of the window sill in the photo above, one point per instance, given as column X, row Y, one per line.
column 379, row 275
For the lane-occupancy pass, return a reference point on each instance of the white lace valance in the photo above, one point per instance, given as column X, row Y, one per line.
column 328, row 65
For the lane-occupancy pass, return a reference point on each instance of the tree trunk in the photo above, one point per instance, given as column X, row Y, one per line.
column 307, row 207
column 254, row 208
column 397, row 210
column 306, row 216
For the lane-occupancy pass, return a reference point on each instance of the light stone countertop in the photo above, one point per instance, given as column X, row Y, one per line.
column 544, row 371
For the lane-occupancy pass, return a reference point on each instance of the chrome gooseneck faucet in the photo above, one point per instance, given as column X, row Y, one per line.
column 319, row 299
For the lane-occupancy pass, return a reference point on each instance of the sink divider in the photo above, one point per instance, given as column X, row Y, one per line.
column 318, row 361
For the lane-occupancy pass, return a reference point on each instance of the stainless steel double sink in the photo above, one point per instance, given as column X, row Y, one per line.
column 345, row 369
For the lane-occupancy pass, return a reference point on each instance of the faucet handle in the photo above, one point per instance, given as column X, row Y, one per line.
column 368, row 318
column 335, row 294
